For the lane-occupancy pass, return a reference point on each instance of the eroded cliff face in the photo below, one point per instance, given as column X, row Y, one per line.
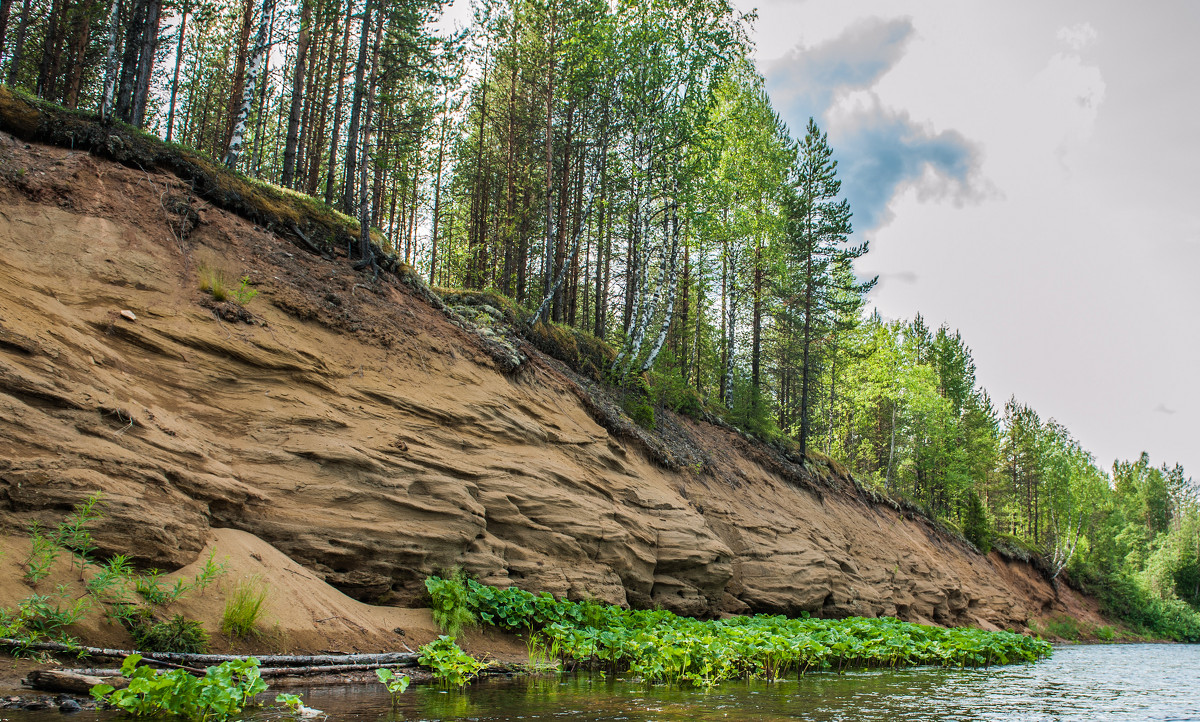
column 354, row 428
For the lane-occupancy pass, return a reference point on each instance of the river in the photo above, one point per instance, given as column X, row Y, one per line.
column 1089, row 682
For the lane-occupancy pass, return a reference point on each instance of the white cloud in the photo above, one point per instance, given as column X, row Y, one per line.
column 1078, row 36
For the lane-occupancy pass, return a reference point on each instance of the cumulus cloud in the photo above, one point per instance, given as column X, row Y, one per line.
column 880, row 150
column 1078, row 36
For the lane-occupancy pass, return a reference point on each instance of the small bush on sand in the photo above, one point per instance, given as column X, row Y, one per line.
column 244, row 607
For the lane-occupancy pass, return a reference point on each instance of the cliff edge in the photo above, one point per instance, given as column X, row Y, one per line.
column 374, row 439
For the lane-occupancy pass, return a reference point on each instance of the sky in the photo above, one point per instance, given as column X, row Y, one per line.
column 1026, row 172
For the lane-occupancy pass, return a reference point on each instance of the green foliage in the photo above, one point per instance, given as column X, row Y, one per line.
column 449, row 602
column 43, row 617
column 668, row 388
column 177, row 634
column 224, row 690
column 1127, row 599
column 636, row 403
column 395, row 684
column 660, row 647
column 43, row 552
column 244, row 293
column 1065, row 627
column 452, row 667
column 292, row 702
column 578, row 349
column 977, row 528
column 244, row 607
column 214, row 282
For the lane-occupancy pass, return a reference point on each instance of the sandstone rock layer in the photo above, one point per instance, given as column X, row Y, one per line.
column 354, row 428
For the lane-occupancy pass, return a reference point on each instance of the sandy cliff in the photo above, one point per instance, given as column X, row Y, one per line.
column 354, row 428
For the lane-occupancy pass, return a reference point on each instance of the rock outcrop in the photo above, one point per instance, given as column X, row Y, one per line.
column 359, row 431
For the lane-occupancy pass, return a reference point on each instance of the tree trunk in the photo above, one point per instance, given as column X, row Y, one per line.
column 337, row 106
column 145, row 65
column 257, row 63
column 5, row 11
column 76, row 62
column 360, row 71
column 130, row 59
column 293, row 130
column 14, row 62
column 548, row 258
column 238, row 90
column 44, row 87
column 364, row 215
column 437, row 190
column 178, row 61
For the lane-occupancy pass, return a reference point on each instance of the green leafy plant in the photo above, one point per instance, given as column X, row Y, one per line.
column 43, row 552
column 244, row 293
column 73, row 533
column 660, row 647
column 177, row 634
column 292, row 702
column 449, row 602
column 224, row 690
column 244, row 607
column 451, row 666
column 395, row 684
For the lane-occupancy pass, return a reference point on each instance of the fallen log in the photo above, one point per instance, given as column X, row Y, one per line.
column 269, row 671
column 63, row 680
column 267, row 660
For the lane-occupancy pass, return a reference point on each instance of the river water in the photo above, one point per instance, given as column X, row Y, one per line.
column 1093, row 682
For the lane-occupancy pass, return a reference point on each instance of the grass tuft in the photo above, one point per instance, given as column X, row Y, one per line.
column 244, row 608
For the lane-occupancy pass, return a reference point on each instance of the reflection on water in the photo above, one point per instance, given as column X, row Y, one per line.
column 1117, row 682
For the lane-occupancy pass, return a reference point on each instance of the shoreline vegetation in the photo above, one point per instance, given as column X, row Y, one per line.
column 654, row 647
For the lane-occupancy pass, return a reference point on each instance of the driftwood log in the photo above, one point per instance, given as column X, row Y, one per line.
column 72, row 681
column 365, row 661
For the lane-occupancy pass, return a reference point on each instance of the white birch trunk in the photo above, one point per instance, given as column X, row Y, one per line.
column 672, row 286
column 258, row 60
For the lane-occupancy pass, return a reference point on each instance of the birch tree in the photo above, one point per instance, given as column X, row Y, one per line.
column 258, row 61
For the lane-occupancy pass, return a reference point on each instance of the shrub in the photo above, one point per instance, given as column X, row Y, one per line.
column 244, row 607
column 177, row 634
column 660, row 647
column 244, row 293
column 451, row 666
column 1064, row 627
column 449, row 602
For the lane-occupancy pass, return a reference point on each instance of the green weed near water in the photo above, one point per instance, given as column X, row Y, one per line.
column 451, row 666
column 660, row 647
column 395, row 684
column 450, row 607
column 222, row 692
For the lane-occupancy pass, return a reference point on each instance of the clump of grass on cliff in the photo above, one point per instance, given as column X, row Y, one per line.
column 660, row 647
column 244, row 608
column 213, row 281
